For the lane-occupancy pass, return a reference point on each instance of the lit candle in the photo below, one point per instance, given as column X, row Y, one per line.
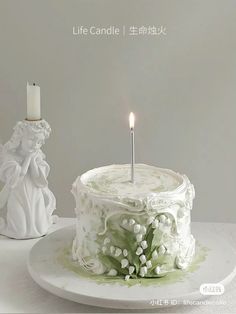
column 131, row 125
column 33, row 102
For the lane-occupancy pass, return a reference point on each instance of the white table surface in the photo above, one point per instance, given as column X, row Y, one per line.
column 20, row 294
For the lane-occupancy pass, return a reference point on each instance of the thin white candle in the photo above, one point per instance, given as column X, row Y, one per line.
column 131, row 125
column 33, row 102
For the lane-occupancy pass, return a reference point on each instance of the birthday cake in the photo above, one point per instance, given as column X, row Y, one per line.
column 131, row 230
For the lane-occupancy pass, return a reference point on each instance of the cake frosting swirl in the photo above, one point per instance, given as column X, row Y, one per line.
column 139, row 229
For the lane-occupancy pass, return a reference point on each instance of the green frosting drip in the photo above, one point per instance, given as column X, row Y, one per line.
column 64, row 259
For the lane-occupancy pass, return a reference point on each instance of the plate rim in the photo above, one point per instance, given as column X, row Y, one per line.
column 103, row 301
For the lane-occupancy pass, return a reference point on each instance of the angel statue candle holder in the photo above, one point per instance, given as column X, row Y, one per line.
column 28, row 202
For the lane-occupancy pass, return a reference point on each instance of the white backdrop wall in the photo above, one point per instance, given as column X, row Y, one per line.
column 181, row 87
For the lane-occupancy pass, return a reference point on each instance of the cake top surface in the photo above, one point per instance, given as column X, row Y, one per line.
column 115, row 180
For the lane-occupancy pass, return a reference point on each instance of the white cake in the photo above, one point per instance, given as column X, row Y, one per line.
column 132, row 230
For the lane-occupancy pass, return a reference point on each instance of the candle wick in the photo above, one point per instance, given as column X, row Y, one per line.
column 34, row 84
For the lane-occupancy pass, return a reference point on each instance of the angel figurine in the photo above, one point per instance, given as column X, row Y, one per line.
column 26, row 197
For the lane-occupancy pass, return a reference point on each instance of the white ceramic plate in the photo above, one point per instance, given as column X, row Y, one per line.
column 50, row 265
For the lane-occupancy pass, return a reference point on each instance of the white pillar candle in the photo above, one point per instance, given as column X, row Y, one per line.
column 33, row 102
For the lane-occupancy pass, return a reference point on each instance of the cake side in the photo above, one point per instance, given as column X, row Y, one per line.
column 134, row 234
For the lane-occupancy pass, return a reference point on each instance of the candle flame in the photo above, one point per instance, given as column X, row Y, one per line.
column 131, row 120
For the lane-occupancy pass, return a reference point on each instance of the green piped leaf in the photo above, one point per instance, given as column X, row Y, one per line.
column 112, row 262
column 149, row 238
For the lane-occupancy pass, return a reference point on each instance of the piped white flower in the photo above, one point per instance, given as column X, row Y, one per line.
column 139, row 237
column 143, row 230
column 127, row 277
column 118, row 252
column 181, row 262
column 149, row 264
column 168, row 222
column 158, row 270
column 112, row 249
column 125, row 252
column 154, row 254
column 139, row 251
column 155, row 223
column 162, row 218
column 104, row 249
column 143, row 259
column 161, row 249
column 112, row 272
column 143, row 271
column 124, row 263
column 131, row 222
column 106, row 241
column 131, row 270
column 144, row 244
column 137, row 228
